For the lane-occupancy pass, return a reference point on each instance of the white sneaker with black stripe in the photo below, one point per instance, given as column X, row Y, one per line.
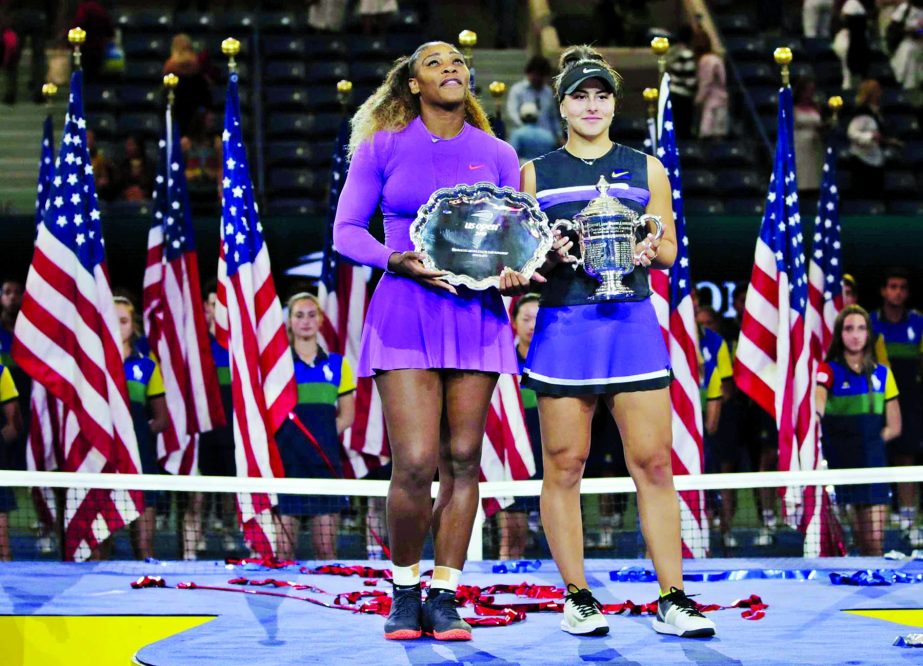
column 677, row 615
column 582, row 615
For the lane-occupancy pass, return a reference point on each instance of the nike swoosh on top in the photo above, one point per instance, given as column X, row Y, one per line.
column 619, row 174
column 475, row 166
column 589, row 71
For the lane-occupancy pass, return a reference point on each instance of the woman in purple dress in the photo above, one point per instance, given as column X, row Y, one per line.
column 434, row 350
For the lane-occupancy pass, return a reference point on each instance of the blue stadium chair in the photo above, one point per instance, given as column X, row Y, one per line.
column 323, row 98
column 285, row 98
column 699, row 181
column 867, row 207
column 148, row 71
column 746, row 47
column 403, row 44
column 103, row 124
column 194, row 23
column 284, row 71
column 143, row 46
column 284, row 46
column 325, row 47
column 914, row 208
column 758, row 73
column 277, row 206
column 144, row 22
column 731, row 153
column 145, row 125
column 895, row 100
column 739, row 182
column 368, row 72
column 766, row 99
column 235, row 23
column 318, row 72
column 703, row 206
column 369, row 49
column 299, row 181
column 274, row 23
column 140, row 98
column 299, row 153
column 900, row 185
column 903, row 125
column 406, row 21
column 801, row 70
column 736, row 24
column 744, row 206
column 912, row 154
column 883, row 73
column 691, row 155
column 101, row 97
column 302, row 125
column 127, row 208
column 828, row 75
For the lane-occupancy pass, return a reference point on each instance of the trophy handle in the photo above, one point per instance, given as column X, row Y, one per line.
column 570, row 225
column 658, row 225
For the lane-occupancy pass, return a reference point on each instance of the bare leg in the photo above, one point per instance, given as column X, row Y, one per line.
column 728, row 501
column 644, row 421
column 769, row 462
column 467, row 399
column 324, row 536
column 514, row 529
column 5, row 553
column 565, row 424
column 146, row 533
column 870, row 522
column 192, row 525
column 288, row 537
column 412, row 404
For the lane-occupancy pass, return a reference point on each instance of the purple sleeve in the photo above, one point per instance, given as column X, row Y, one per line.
column 358, row 202
column 507, row 165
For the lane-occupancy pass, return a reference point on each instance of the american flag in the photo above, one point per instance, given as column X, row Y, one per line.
column 774, row 364
column 250, row 322
column 825, row 300
column 66, row 338
column 672, row 299
column 174, row 318
column 43, row 443
column 344, row 295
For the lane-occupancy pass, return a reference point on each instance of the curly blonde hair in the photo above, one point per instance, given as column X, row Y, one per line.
column 392, row 106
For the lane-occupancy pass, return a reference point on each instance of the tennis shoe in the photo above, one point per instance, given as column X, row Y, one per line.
column 582, row 613
column 403, row 621
column 441, row 619
column 677, row 615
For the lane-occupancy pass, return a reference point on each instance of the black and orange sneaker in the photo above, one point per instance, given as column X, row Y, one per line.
column 441, row 619
column 403, row 623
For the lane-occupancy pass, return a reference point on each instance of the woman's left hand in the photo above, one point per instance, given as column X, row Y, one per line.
column 646, row 251
column 513, row 283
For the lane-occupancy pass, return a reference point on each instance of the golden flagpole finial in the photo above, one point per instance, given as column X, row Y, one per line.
column 49, row 90
column 468, row 39
column 651, row 95
column 660, row 46
column 170, row 81
column 783, row 58
column 344, row 91
column 835, row 103
column 76, row 36
column 497, row 90
column 231, row 47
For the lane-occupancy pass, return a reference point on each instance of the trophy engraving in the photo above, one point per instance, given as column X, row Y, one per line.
column 474, row 231
column 606, row 229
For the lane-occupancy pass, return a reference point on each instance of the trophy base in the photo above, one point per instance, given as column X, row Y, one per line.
column 612, row 289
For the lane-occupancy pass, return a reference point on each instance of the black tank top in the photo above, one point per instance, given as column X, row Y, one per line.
column 564, row 185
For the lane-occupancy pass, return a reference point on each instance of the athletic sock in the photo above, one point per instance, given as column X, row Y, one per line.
column 445, row 578
column 405, row 576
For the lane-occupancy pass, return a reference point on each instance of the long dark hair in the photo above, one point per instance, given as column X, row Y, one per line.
column 578, row 56
column 837, row 351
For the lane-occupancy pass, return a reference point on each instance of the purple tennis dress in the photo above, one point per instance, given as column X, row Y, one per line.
column 408, row 324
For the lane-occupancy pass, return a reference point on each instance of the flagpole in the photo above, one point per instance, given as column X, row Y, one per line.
column 497, row 91
column 783, row 58
column 231, row 47
column 344, row 93
column 660, row 46
column 76, row 36
column 835, row 103
column 468, row 39
column 49, row 90
column 651, row 96
column 170, row 81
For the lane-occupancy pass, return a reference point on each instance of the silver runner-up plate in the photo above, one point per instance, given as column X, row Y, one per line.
column 473, row 231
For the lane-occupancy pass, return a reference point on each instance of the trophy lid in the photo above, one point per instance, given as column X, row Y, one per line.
column 605, row 204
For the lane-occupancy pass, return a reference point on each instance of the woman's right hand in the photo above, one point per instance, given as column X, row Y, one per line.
column 410, row 264
column 560, row 251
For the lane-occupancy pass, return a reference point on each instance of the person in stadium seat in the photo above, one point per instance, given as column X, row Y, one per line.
column 134, row 175
column 533, row 87
column 859, row 413
column 193, row 93
column 902, row 330
column 435, row 350
column 148, row 413
column 309, row 442
column 583, row 350
column 514, row 521
column 11, row 427
column 94, row 18
column 711, row 96
column 683, row 81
